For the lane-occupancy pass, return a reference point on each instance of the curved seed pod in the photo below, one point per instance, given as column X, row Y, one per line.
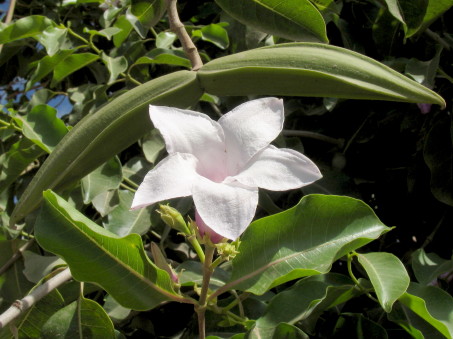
column 101, row 135
column 310, row 69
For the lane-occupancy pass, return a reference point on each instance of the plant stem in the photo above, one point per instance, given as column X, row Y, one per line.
column 20, row 306
column 187, row 44
column 197, row 247
column 313, row 135
column 202, row 303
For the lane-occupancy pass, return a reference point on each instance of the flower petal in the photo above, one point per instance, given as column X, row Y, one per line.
column 205, row 229
column 249, row 128
column 278, row 169
column 173, row 177
column 226, row 208
column 186, row 131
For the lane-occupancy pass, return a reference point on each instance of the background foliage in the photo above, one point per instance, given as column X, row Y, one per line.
column 61, row 61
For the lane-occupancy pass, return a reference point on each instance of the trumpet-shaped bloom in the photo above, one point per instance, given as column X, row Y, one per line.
column 222, row 163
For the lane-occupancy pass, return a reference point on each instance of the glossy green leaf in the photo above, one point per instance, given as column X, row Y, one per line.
column 135, row 169
column 308, row 69
column 42, row 127
column 71, row 64
column 108, row 32
column 114, row 310
column 106, row 177
column 409, row 13
column 27, row 27
column 428, row 266
column 99, row 137
column 126, row 28
column 122, row 221
column 307, row 298
column 215, row 34
column 81, row 319
column 400, row 316
column 434, row 10
column 121, row 266
column 46, row 65
column 431, row 304
column 438, row 154
column 165, row 57
column 388, row 276
column 115, row 66
column 53, row 39
column 148, row 12
column 292, row 19
column 29, row 324
column 287, row 331
column 304, row 240
column 16, row 160
column 165, row 39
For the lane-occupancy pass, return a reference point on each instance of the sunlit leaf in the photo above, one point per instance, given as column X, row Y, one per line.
column 291, row 19
column 71, row 64
column 115, row 66
column 428, row 266
column 304, row 240
column 388, row 276
column 27, row 27
column 121, row 267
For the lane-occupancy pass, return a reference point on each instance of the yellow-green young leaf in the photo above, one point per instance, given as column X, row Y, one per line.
column 148, row 12
column 71, row 64
column 388, row 276
column 101, row 135
column 310, row 69
column 119, row 265
column 302, row 241
column 291, row 19
column 27, row 27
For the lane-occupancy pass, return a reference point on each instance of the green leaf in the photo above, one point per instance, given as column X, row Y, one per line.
column 29, row 324
column 100, row 136
column 291, row 19
column 106, row 202
column 431, row 304
column 409, row 13
column 215, row 34
column 46, row 65
column 424, row 72
column 81, row 319
column 428, row 266
column 388, row 276
column 16, row 160
column 307, row 298
column 434, row 10
column 122, row 221
column 42, row 127
column 165, row 39
column 135, row 169
column 71, row 64
column 165, row 57
column 190, row 273
column 148, row 12
column 119, row 265
column 438, row 154
column 53, row 39
column 38, row 266
column 308, row 69
column 152, row 145
column 115, row 66
column 287, row 331
column 108, row 32
column 304, row 240
column 351, row 325
column 106, row 177
column 126, row 27
column 27, row 27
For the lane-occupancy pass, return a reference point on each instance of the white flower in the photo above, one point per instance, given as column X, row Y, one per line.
column 222, row 164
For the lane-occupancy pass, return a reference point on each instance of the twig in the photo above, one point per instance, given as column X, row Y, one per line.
column 178, row 28
column 20, row 306
column 16, row 256
column 313, row 135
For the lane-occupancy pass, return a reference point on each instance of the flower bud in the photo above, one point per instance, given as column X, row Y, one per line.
column 173, row 218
